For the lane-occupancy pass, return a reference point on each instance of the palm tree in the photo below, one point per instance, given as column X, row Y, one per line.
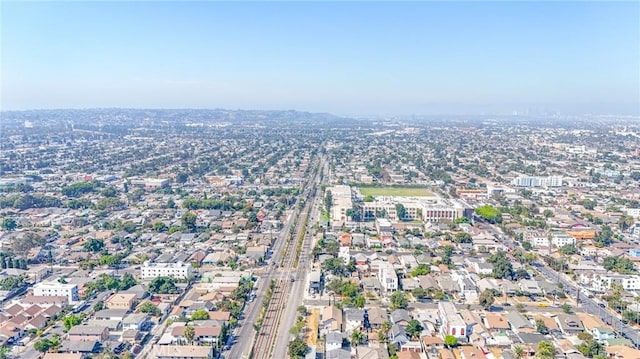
column 518, row 352
column 356, row 337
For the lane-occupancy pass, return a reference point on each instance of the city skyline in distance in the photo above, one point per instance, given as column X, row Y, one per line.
column 351, row 59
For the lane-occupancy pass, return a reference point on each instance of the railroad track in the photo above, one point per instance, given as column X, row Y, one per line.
column 268, row 331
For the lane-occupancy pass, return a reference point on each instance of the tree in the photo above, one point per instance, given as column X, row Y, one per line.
column 566, row 308
column 359, row 302
column 463, row 237
column 189, row 221
column 149, row 308
column 127, row 281
column 486, row 299
column 414, row 328
column 541, row 327
column 298, row 348
column 357, row 337
column 401, row 211
column 328, row 201
column 399, row 300
column 527, row 246
column 489, row 213
column 9, row 224
column 71, row 321
column 585, row 336
column 93, row 245
column 189, row 333
column 547, row 213
column 545, row 350
column 590, row 348
column 200, row 314
column 163, row 285
column 110, row 192
column 518, row 352
column 604, row 238
column 450, row 341
column 502, row 267
column 182, row 177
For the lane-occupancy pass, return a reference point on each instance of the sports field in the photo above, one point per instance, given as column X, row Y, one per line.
column 395, row 191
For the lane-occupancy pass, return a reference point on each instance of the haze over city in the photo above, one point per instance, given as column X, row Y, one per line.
column 347, row 58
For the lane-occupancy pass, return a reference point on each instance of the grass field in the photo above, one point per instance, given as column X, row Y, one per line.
column 395, row 191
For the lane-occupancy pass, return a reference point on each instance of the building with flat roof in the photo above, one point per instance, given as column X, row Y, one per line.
column 452, row 322
column 57, row 289
column 151, row 270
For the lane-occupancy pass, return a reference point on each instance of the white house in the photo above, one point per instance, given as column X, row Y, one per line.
column 387, row 277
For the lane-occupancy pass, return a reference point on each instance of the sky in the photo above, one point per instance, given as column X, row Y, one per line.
column 348, row 58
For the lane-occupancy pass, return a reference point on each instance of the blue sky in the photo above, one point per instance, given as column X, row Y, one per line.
column 351, row 58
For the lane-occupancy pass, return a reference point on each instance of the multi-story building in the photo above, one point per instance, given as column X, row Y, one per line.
column 341, row 202
column 427, row 209
column 57, row 289
column 604, row 283
column 452, row 322
column 536, row 181
column 388, row 277
column 175, row 270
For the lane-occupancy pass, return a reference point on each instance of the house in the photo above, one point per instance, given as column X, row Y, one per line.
column 364, row 352
column 569, row 324
column 400, row 317
column 88, row 333
column 315, row 281
column 181, row 352
column 63, row 356
column 388, row 277
column 121, row 301
column 452, row 323
column 603, row 333
column 517, row 321
column 111, row 314
column 431, row 344
column 398, row 336
column 331, row 319
column 377, row 316
column 333, row 340
column 353, row 319
column 81, row 346
column 338, row 354
column 134, row 321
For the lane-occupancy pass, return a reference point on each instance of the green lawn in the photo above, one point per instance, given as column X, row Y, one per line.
column 395, row 191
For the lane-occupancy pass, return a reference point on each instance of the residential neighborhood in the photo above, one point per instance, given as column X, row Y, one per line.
column 272, row 234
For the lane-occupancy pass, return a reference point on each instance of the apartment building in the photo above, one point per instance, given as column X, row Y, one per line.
column 341, row 202
column 151, row 270
column 57, row 289
column 536, row 181
column 604, row 283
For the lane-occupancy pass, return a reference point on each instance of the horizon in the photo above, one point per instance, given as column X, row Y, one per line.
column 347, row 59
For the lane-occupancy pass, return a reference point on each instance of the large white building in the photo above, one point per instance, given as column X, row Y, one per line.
column 57, row 289
column 536, row 181
column 175, row 270
column 603, row 283
column 427, row 209
column 341, row 202
column 388, row 277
